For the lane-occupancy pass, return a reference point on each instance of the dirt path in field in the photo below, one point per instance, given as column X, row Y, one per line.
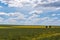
column 46, row 36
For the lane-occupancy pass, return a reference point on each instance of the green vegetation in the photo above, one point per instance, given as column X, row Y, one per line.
column 27, row 26
column 29, row 33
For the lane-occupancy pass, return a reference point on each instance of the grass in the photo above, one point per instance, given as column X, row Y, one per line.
column 21, row 26
column 29, row 33
column 26, row 26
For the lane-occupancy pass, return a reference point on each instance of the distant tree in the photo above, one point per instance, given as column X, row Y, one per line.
column 46, row 26
column 49, row 26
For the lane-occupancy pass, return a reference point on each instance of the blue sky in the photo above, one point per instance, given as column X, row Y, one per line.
column 30, row 12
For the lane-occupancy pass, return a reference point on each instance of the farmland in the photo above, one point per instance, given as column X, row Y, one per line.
column 29, row 33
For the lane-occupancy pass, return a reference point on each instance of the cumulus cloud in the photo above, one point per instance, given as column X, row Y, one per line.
column 17, row 15
column 12, row 17
column 18, row 3
column 22, row 3
column 35, row 4
column 49, row 3
column 50, row 21
column 30, row 12
column 1, row 19
column 57, row 22
column 55, row 4
column 19, row 18
column 2, row 13
column 36, row 12
column 53, row 14
column 1, row 7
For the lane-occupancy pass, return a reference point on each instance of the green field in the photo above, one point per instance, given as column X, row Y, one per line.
column 17, row 33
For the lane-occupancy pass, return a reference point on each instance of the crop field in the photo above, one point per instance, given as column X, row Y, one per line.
column 29, row 33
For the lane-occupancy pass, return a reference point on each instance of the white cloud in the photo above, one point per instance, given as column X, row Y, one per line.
column 58, row 8
column 36, row 12
column 10, row 20
column 4, row 1
column 50, row 1
column 1, row 7
column 2, row 13
column 32, row 16
column 21, row 3
column 13, row 17
column 30, row 3
column 17, row 15
column 1, row 19
column 18, row 3
column 54, row 14
column 47, row 8
column 50, row 21
column 15, row 3
column 32, row 20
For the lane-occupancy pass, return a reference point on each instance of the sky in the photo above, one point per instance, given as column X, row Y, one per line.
column 30, row 12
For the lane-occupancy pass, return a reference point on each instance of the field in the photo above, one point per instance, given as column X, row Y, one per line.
column 29, row 33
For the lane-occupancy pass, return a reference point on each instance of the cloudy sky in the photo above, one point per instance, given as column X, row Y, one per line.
column 30, row 12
